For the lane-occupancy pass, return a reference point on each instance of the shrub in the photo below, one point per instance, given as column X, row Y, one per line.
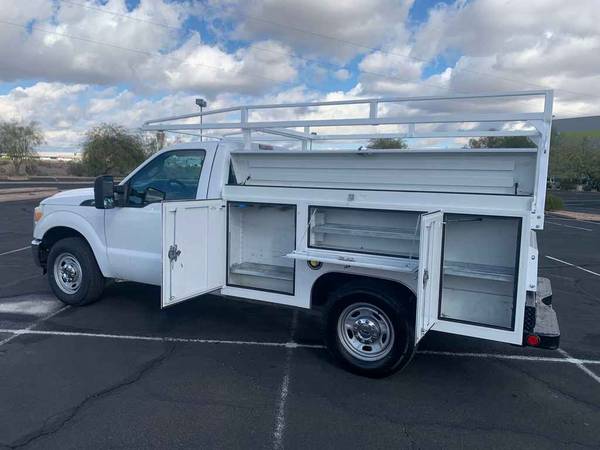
column 553, row 202
column 76, row 168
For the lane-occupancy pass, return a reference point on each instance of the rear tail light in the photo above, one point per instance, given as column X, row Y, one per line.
column 533, row 340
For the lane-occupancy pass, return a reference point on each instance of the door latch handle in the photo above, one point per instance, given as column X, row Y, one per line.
column 425, row 277
column 174, row 252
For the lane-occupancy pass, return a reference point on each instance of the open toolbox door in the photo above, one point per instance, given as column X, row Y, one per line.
column 193, row 249
column 430, row 267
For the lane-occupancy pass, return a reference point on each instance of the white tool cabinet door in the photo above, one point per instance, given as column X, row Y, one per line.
column 193, row 249
column 430, row 267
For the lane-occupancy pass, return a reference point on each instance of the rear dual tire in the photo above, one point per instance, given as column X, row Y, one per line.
column 73, row 273
column 369, row 329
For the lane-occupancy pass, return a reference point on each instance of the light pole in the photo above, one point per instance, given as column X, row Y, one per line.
column 202, row 104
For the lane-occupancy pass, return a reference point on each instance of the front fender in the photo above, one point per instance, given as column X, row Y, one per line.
column 92, row 232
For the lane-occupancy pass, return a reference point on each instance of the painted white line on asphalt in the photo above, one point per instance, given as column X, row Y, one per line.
column 505, row 356
column 29, row 329
column 283, row 393
column 568, row 219
column 579, row 364
column 15, row 251
column 572, row 265
column 126, row 337
column 568, row 226
column 288, row 345
column 278, row 433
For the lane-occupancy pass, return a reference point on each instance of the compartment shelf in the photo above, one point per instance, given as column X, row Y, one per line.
column 484, row 271
column 263, row 270
column 366, row 231
column 357, row 260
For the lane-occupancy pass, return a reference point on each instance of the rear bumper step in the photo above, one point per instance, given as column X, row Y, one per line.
column 541, row 324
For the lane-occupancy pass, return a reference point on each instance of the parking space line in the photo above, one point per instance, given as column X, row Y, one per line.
column 506, row 356
column 27, row 331
column 288, row 345
column 283, row 392
column 573, row 265
column 579, row 364
column 15, row 251
column 568, row 219
column 568, row 226
column 30, row 329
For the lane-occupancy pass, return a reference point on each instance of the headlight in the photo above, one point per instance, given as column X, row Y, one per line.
column 37, row 214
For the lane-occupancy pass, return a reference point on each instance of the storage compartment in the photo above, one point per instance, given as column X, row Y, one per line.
column 482, row 171
column 260, row 235
column 378, row 232
column 480, row 266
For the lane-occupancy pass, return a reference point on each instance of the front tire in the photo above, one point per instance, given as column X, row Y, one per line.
column 73, row 273
column 369, row 329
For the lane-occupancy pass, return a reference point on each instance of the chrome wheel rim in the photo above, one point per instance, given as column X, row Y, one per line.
column 67, row 273
column 365, row 331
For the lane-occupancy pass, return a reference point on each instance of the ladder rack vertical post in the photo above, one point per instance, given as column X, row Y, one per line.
column 246, row 132
column 305, row 141
column 373, row 109
column 543, row 158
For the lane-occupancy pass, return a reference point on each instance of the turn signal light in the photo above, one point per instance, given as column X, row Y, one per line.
column 37, row 214
column 533, row 340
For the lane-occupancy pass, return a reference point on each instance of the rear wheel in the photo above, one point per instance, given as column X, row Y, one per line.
column 73, row 273
column 369, row 329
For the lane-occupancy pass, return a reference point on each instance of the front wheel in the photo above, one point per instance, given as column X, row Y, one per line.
column 73, row 273
column 369, row 329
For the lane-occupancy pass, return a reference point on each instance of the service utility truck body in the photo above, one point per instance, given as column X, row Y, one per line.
column 387, row 243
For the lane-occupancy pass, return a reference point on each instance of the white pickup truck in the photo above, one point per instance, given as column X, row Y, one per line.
column 389, row 244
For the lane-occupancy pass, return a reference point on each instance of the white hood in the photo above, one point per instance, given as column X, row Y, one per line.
column 72, row 197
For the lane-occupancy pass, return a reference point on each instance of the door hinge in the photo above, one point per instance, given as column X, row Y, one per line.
column 425, row 277
column 174, row 252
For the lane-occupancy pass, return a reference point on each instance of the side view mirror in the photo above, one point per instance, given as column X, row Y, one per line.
column 153, row 195
column 104, row 192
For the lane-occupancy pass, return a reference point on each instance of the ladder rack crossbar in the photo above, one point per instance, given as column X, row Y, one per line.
column 288, row 128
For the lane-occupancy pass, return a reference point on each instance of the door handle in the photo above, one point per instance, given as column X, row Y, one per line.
column 174, row 252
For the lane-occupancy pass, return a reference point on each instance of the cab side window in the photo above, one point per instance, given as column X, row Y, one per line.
column 174, row 174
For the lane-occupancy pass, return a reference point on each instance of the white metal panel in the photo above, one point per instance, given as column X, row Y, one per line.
column 193, row 249
column 508, row 171
column 512, row 336
column 430, row 263
column 499, row 205
column 532, row 263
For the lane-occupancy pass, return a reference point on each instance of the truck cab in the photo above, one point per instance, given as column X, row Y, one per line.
column 126, row 239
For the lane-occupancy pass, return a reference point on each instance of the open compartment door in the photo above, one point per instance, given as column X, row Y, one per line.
column 193, row 249
column 430, row 265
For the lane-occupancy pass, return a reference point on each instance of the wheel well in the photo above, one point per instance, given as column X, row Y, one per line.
column 328, row 282
column 52, row 236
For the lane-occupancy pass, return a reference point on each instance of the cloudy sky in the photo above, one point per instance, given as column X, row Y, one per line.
column 71, row 64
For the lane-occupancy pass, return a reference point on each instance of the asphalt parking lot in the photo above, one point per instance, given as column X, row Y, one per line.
column 217, row 373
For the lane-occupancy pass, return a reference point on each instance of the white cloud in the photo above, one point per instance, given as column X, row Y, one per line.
column 321, row 27
column 108, row 44
column 497, row 45
column 519, row 45
column 342, row 74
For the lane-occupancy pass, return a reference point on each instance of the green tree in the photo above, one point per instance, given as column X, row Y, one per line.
column 112, row 149
column 575, row 159
column 501, row 142
column 18, row 140
column 386, row 143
